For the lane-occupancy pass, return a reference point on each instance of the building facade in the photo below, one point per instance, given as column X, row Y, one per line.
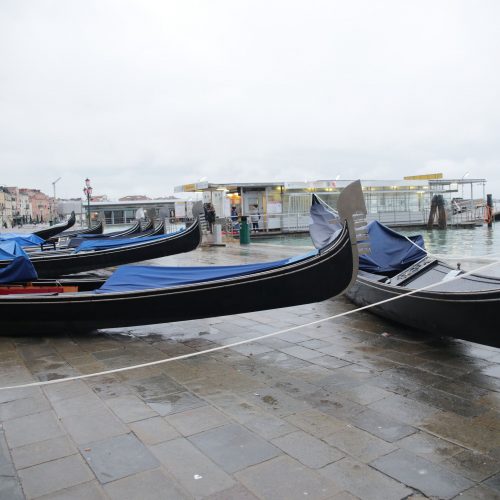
column 284, row 206
column 125, row 212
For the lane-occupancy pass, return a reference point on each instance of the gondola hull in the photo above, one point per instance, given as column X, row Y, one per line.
column 298, row 283
column 59, row 263
column 468, row 315
column 54, row 230
column 96, row 229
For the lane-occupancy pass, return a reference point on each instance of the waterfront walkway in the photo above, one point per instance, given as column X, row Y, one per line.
column 351, row 408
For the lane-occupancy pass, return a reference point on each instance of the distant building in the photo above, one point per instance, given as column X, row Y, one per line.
column 134, row 197
column 7, row 208
column 125, row 212
column 65, row 207
column 42, row 206
column 284, row 206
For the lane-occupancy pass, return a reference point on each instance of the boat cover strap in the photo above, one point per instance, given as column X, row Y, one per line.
column 25, row 240
column 119, row 242
column 390, row 251
column 130, row 278
column 19, row 270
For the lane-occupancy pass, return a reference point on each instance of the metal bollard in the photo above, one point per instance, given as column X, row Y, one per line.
column 244, row 231
column 217, row 234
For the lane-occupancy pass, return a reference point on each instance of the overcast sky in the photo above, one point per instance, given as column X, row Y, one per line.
column 142, row 96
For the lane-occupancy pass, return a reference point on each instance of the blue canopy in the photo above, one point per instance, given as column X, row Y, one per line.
column 20, row 269
column 25, row 240
column 118, row 242
column 10, row 249
column 325, row 225
column 390, row 251
column 130, row 278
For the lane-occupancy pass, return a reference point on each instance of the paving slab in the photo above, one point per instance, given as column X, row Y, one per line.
column 430, row 447
column 463, row 431
column 382, row 426
column 316, row 423
column 430, row 478
column 50, row 477
column 148, row 485
column 196, row 420
column 494, row 483
column 175, row 403
column 283, row 478
column 153, row 430
column 233, row 447
column 86, row 428
column 23, row 406
column 473, row 465
column 117, row 457
column 238, row 492
column 43, row 451
column 404, row 409
column 84, row 491
column 267, row 426
column 364, row 482
column 307, row 449
column 480, row 492
column 129, row 408
column 191, row 468
column 32, row 428
column 84, row 403
column 10, row 489
column 359, row 444
column 6, row 465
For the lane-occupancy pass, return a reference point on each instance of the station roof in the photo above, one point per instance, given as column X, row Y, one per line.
column 323, row 184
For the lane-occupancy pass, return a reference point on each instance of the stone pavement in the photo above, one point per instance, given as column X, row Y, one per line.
column 350, row 408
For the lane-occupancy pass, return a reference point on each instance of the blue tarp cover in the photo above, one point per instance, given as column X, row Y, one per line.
column 390, row 251
column 325, row 225
column 118, row 242
column 129, row 278
column 10, row 249
column 20, row 269
column 25, row 240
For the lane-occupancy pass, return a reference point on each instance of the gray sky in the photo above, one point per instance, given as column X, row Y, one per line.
column 141, row 96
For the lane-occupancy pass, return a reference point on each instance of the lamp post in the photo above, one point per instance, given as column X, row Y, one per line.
column 54, row 208
column 88, row 193
column 462, row 181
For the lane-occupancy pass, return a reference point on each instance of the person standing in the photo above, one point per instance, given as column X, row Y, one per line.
column 210, row 216
column 255, row 217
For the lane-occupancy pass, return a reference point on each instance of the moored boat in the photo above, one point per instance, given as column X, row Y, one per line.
column 392, row 279
column 101, row 253
column 51, row 231
column 136, row 295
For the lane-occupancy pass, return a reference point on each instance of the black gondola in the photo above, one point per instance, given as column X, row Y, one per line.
column 156, row 295
column 52, row 264
column 464, row 308
column 152, row 231
column 97, row 228
column 57, row 229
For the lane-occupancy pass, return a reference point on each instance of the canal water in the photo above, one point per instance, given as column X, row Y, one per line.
column 471, row 246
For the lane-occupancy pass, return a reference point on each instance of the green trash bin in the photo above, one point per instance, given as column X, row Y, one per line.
column 244, row 231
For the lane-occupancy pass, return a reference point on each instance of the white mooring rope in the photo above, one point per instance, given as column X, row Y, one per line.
column 241, row 342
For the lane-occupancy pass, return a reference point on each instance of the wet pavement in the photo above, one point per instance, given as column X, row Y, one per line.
column 351, row 408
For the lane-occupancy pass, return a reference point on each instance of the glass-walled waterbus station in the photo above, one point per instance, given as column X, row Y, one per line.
column 284, row 206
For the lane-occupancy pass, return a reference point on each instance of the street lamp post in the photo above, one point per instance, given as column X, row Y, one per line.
column 54, row 207
column 88, row 193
